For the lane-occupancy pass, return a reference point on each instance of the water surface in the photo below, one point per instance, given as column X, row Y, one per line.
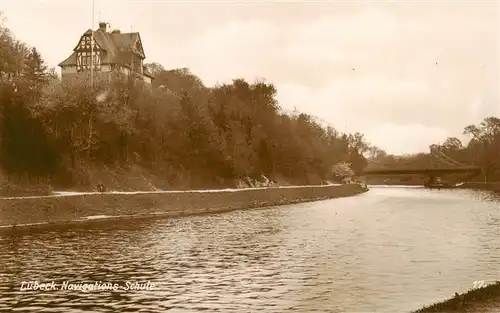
column 389, row 250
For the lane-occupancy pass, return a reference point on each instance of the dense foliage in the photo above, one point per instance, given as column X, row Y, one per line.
column 180, row 130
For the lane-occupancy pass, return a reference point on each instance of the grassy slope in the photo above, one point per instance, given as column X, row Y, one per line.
column 131, row 178
column 482, row 300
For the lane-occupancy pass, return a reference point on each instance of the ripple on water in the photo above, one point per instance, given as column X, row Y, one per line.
column 390, row 250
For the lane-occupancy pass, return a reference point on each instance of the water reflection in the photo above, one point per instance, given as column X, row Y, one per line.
column 389, row 250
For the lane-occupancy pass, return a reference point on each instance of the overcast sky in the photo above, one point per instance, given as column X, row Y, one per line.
column 368, row 67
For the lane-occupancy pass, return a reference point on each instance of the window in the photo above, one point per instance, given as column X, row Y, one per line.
column 83, row 61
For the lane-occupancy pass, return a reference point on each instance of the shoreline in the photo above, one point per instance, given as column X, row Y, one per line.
column 481, row 300
column 105, row 219
column 489, row 186
column 34, row 212
column 159, row 191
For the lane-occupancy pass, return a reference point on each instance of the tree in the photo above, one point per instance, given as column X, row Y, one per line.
column 484, row 148
column 452, row 144
column 25, row 148
column 358, row 144
column 375, row 153
column 36, row 74
column 12, row 55
column 154, row 68
column 342, row 170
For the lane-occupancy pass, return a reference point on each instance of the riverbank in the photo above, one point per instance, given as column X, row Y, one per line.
column 77, row 208
column 493, row 186
column 482, row 300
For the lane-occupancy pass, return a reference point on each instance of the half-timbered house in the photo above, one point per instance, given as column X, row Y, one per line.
column 112, row 52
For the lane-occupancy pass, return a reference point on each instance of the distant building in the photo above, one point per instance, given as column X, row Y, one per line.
column 113, row 52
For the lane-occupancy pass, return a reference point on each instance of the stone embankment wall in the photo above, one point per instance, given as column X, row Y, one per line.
column 84, row 207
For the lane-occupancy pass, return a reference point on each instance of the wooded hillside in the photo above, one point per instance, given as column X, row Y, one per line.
column 180, row 134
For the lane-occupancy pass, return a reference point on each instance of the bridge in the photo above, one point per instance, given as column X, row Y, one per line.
column 439, row 165
column 423, row 171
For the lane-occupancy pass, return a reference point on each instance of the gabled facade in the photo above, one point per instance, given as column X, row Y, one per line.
column 112, row 52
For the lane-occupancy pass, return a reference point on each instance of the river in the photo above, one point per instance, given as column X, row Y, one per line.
column 391, row 249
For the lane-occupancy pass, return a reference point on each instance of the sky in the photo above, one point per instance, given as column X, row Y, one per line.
column 406, row 74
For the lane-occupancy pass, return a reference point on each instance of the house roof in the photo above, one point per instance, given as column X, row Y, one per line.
column 114, row 43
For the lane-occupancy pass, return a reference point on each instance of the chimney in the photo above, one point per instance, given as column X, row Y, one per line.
column 103, row 26
column 116, row 31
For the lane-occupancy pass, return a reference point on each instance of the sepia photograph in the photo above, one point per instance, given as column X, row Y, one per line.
column 240, row 156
